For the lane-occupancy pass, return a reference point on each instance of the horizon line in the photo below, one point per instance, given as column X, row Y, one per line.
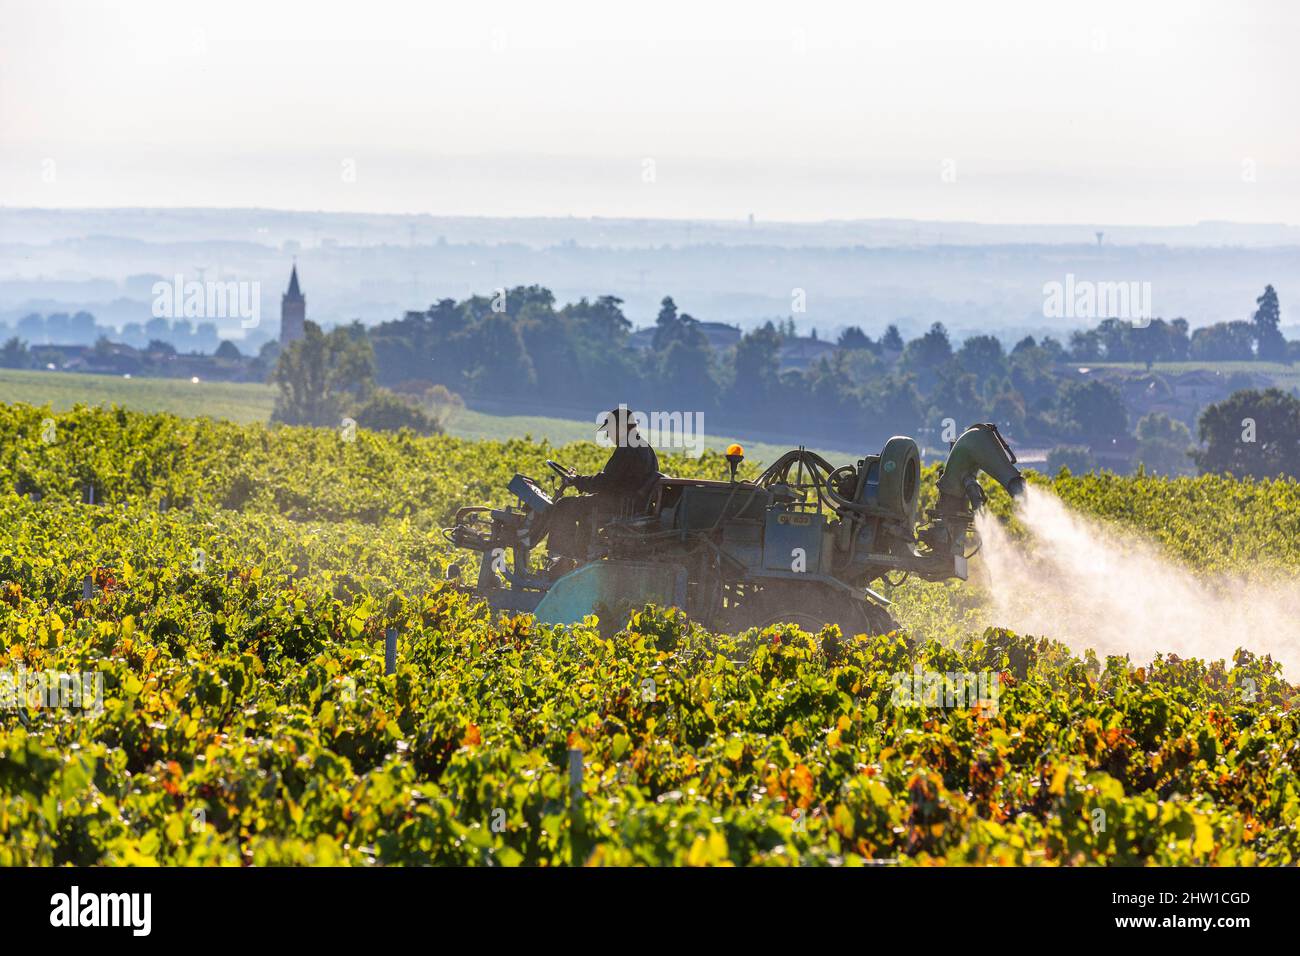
column 744, row 221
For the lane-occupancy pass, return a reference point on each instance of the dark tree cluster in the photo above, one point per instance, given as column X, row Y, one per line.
column 517, row 350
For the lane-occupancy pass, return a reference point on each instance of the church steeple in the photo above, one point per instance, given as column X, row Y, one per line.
column 293, row 311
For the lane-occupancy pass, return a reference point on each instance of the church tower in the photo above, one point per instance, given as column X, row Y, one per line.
column 293, row 311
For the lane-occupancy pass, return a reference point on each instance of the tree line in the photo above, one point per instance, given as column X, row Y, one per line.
column 519, row 349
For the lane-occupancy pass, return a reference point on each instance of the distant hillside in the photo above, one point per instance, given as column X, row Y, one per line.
column 972, row 277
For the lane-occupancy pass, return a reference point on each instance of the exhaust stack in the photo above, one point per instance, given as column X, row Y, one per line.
column 979, row 448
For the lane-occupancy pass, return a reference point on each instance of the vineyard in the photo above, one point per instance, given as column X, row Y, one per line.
column 231, row 586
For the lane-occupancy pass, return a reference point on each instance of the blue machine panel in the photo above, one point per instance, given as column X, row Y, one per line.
column 792, row 536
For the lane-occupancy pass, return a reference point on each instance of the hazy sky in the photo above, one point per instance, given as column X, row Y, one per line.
column 1139, row 111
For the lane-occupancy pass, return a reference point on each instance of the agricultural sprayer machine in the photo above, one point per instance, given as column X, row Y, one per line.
column 803, row 542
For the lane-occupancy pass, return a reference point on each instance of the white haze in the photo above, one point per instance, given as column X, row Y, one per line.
column 1019, row 111
column 1097, row 586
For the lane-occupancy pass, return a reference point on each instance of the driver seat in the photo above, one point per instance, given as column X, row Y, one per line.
column 638, row 503
column 632, row 511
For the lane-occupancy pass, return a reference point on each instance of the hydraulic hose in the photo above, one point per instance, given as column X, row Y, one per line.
column 817, row 467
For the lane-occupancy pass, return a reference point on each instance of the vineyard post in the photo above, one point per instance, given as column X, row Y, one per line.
column 575, row 806
column 390, row 651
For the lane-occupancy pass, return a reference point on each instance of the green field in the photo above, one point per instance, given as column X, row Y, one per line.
column 235, row 401
column 228, row 598
column 1283, row 376
column 247, row 402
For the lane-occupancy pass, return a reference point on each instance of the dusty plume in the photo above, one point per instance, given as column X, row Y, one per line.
column 1094, row 585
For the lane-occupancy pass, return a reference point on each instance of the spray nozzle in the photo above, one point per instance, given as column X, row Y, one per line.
column 980, row 448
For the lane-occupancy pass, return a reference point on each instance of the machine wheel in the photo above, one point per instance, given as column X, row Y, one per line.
column 812, row 612
column 900, row 476
column 879, row 620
